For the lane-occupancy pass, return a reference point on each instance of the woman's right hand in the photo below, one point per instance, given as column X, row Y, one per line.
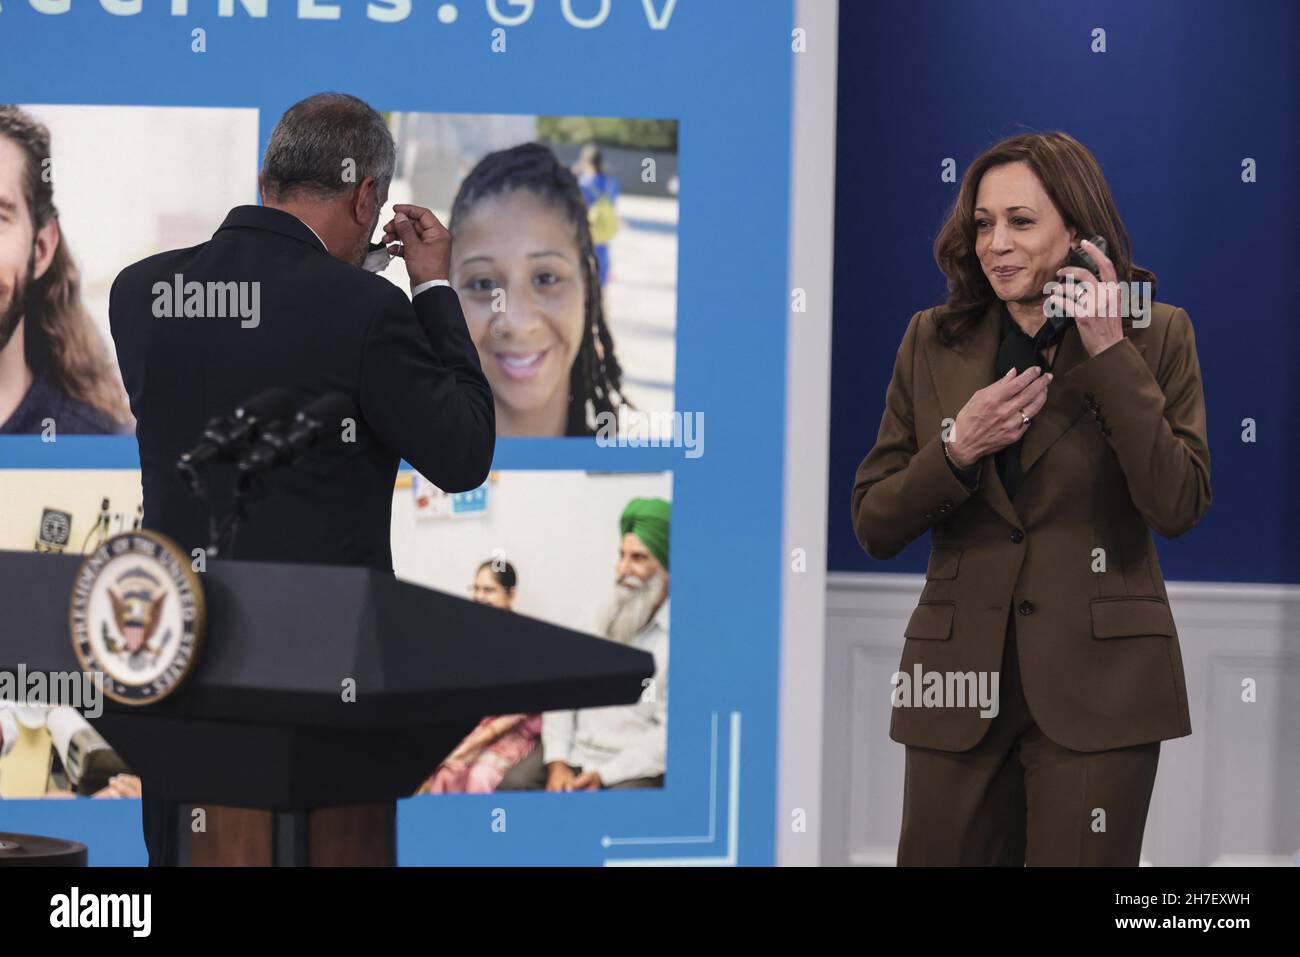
column 991, row 420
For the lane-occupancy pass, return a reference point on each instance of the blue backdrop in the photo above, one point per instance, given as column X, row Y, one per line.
column 722, row 69
column 1184, row 92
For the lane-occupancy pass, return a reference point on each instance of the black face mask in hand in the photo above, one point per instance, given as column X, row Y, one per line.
column 1078, row 257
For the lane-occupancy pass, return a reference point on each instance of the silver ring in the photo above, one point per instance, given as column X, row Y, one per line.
column 1024, row 419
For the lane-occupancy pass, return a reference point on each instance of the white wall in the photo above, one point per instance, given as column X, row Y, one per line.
column 559, row 530
column 1224, row 795
column 807, row 437
column 131, row 181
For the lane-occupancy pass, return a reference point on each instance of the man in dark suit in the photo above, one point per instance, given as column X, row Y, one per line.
column 308, row 319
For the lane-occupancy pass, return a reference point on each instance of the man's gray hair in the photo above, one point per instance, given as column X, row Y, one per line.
column 326, row 145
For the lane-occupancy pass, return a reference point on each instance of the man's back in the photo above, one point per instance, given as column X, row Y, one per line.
column 320, row 326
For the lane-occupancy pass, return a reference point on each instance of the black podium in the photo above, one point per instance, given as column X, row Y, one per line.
column 318, row 687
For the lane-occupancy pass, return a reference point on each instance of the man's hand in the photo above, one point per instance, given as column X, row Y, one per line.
column 120, row 786
column 425, row 243
column 588, row 781
column 559, row 777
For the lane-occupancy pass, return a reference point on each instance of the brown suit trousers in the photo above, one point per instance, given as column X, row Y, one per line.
column 1019, row 798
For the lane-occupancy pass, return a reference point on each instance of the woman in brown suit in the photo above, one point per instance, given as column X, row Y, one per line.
column 1038, row 458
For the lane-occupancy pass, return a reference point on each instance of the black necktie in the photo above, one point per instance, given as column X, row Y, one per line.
column 1019, row 351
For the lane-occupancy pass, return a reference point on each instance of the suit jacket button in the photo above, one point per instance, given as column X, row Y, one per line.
column 1026, row 608
column 1017, row 536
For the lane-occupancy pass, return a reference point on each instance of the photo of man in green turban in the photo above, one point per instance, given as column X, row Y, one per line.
column 622, row 746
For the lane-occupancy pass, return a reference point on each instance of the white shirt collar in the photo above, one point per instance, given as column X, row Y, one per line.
column 313, row 232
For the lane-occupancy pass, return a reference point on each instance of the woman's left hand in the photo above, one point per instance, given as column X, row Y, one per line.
column 1098, row 329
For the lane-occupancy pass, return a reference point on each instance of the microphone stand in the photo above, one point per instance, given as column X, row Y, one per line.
column 244, row 496
column 198, row 487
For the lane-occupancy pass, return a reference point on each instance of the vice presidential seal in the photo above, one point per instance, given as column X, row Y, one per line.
column 137, row 616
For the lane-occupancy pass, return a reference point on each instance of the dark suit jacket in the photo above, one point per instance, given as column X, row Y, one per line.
column 325, row 326
column 1119, row 448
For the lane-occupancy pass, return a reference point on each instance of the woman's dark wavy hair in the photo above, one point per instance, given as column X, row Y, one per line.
column 595, row 381
column 1072, row 178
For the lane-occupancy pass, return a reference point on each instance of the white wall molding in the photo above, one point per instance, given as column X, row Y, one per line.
column 807, row 432
column 1228, row 793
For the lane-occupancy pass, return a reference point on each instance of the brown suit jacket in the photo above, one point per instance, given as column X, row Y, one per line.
column 1119, row 448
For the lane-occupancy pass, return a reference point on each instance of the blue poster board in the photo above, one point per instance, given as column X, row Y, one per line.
column 722, row 69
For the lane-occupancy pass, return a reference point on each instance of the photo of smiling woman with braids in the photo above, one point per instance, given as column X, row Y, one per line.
column 525, row 268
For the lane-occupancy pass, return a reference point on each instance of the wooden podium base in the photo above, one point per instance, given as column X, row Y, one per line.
column 358, row 836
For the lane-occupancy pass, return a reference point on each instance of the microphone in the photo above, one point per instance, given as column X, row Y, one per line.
column 101, row 526
column 222, row 437
column 279, row 445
